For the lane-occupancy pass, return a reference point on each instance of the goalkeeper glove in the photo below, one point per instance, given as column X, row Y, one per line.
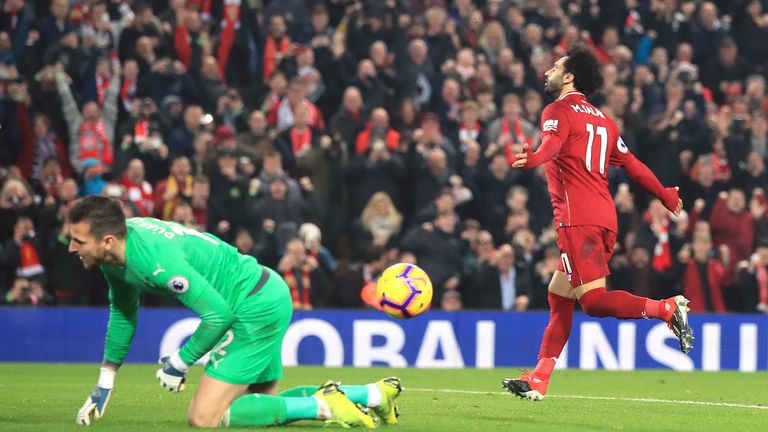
column 171, row 375
column 96, row 404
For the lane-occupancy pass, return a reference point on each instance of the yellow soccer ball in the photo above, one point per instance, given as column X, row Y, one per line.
column 404, row 291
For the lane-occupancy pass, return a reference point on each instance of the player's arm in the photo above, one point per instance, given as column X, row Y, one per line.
column 642, row 175
column 554, row 132
column 123, row 318
column 549, row 148
column 184, row 282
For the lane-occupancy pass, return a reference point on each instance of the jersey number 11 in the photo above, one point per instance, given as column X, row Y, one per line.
column 601, row 132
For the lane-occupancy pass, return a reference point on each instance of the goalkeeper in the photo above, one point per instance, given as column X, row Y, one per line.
column 245, row 310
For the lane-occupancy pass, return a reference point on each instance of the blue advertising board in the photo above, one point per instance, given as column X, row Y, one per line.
column 435, row 340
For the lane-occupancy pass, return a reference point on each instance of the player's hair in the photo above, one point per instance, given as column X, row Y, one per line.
column 585, row 68
column 103, row 213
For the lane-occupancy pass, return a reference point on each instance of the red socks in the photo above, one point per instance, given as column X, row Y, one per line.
column 620, row 304
column 597, row 303
column 544, row 368
column 661, row 309
column 559, row 327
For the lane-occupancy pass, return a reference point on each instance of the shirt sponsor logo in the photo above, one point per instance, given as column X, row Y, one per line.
column 178, row 284
column 550, row 125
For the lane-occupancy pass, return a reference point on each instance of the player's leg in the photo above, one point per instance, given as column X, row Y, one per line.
column 591, row 265
column 269, row 387
column 327, row 403
column 598, row 302
column 212, row 399
column 253, row 355
column 380, row 396
column 561, row 302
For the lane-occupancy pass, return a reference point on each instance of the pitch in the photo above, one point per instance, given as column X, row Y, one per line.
column 45, row 397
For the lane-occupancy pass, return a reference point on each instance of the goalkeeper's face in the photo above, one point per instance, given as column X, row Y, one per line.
column 91, row 251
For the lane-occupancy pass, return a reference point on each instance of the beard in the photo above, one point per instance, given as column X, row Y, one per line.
column 92, row 262
column 87, row 262
column 552, row 88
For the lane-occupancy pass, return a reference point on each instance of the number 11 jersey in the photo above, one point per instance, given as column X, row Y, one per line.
column 577, row 177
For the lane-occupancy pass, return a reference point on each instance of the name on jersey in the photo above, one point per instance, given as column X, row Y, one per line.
column 141, row 223
column 585, row 109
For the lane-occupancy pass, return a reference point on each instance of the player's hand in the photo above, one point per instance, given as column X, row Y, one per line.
column 171, row 375
column 670, row 197
column 522, row 158
column 94, row 407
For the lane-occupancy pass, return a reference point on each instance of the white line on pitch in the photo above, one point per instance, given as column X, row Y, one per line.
column 606, row 398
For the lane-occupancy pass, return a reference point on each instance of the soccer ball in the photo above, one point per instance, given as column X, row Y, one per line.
column 404, row 291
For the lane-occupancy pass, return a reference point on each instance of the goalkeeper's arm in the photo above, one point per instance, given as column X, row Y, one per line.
column 216, row 316
column 123, row 316
column 96, row 404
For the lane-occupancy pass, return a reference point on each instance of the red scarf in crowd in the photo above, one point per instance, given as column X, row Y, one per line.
column 271, row 49
column 762, row 284
column 662, row 256
column 469, row 132
column 94, row 143
column 518, row 137
column 141, row 194
column 227, row 36
column 721, row 167
column 141, row 131
column 102, row 84
column 353, row 115
column 301, row 141
column 299, row 298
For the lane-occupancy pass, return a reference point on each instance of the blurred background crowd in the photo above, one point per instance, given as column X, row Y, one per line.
column 331, row 138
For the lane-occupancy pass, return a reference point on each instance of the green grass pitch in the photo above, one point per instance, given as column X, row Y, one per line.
column 46, row 397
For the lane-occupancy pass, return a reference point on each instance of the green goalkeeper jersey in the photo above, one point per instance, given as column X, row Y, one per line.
column 206, row 274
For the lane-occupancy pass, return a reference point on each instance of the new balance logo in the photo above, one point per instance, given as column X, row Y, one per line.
column 549, row 125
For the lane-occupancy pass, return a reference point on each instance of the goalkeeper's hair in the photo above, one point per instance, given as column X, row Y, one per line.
column 103, row 213
column 585, row 68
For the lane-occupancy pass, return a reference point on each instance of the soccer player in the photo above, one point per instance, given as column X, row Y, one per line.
column 245, row 309
column 579, row 143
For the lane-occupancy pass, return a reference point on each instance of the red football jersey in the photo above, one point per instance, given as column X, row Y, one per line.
column 577, row 176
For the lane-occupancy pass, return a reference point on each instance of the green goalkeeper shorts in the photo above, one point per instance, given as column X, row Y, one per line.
column 249, row 353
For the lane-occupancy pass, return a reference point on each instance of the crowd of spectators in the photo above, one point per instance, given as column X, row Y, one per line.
column 331, row 138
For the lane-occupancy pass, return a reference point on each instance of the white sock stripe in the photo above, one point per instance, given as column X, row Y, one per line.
column 604, row 398
column 323, row 410
column 374, row 395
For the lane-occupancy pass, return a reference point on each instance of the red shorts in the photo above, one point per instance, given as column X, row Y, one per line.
column 584, row 252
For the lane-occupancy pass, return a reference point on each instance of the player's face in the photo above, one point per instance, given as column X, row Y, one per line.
column 553, row 78
column 90, row 250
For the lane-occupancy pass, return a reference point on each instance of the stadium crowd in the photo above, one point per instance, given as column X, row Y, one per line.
column 330, row 138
